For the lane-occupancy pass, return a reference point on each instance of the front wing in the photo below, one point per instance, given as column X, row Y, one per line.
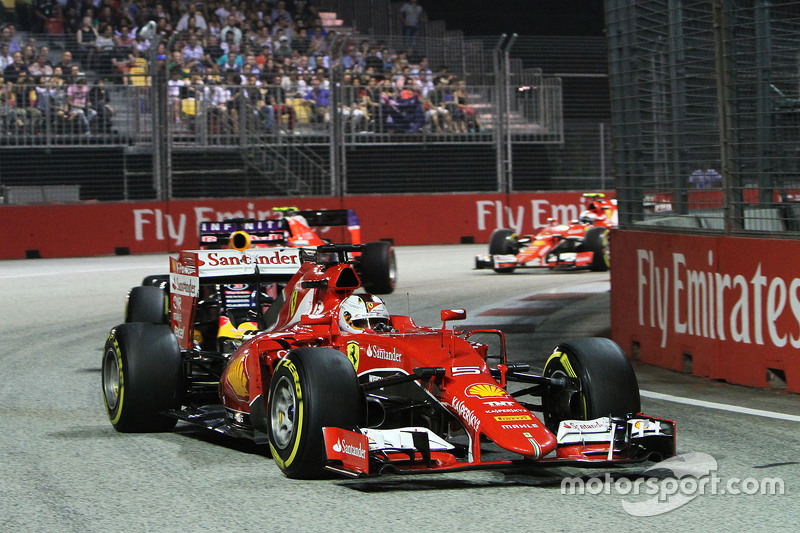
column 588, row 443
column 552, row 260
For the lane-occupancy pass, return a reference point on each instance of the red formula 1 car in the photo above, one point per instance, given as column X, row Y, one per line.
column 296, row 228
column 581, row 244
column 328, row 379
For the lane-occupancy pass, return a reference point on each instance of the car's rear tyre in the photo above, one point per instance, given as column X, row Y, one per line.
column 157, row 280
column 146, row 303
column 142, row 376
column 311, row 388
column 503, row 242
column 378, row 268
column 606, row 383
column 596, row 240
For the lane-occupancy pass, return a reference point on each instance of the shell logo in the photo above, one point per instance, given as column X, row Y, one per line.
column 485, row 390
column 237, row 377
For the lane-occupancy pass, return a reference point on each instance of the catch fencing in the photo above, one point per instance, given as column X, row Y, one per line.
column 514, row 131
column 705, row 99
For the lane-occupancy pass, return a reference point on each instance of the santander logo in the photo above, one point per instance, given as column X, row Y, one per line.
column 349, row 449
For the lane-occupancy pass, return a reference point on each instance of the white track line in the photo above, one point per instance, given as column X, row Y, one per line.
column 720, row 406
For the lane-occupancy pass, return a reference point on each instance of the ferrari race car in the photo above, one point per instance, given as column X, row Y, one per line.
column 296, row 228
column 330, row 381
column 581, row 244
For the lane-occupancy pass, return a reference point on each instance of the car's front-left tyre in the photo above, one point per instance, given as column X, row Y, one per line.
column 310, row 388
column 142, row 377
column 599, row 381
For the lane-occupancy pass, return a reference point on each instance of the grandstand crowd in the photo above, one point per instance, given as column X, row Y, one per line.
column 265, row 65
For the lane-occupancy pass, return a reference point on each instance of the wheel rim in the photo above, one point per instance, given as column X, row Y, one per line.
column 606, row 249
column 283, row 408
column 563, row 403
column 111, row 379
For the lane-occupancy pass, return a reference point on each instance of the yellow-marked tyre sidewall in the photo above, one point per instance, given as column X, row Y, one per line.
column 112, row 350
column 608, row 385
column 290, row 455
column 327, row 394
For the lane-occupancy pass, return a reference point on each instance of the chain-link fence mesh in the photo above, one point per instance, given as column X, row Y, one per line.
column 445, row 113
column 705, row 99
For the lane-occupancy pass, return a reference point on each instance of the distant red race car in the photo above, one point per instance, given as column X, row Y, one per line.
column 583, row 243
column 329, row 380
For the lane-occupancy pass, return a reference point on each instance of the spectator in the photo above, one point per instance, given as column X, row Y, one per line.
column 192, row 13
column 212, row 52
column 233, row 27
column 284, row 50
column 705, row 177
column 51, row 100
column 98, row 104
column 214, row 27
column 275, row 96
column 80, row 113
column 65, row 65
column 41, row 67
column 42, row 10
column 125, row 37
column 318, row 42
column 5, row 56
column 318, row 100
column 411, row 14
column 28, row 54
column 17, row 67
column 86, row 38
column 174, row 86
column 8, row 115
column 231, row 60
column 104, row 50
column 217, row 98
column 193, row 53
column 27, row 116
column 263, row 116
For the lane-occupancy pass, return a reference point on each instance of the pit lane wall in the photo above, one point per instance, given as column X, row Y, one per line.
column 721, row 307
column 81, row 230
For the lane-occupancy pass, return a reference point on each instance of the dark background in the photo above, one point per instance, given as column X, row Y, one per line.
column 525, row 17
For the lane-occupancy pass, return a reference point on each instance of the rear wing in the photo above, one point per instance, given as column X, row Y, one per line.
column 192, row 269
column 217, row 235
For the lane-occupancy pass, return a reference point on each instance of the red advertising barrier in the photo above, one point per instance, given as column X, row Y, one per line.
column 80, row 230
column 726, row 307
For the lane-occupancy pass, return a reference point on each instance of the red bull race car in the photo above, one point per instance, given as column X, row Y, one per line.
column 583, row 243
column 326, row 378
column 297, row 228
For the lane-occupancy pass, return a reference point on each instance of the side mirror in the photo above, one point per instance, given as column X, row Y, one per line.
column 453, row 314
column 309, row 320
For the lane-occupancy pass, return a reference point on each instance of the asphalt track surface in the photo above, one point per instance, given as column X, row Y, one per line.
column 63, row 467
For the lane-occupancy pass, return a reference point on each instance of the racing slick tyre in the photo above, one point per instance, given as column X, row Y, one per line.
column 502, row 242
column 378, row 268
column 310, row 388
column 596, row 240
column 603, row 382
column 142, row 376
column 146, row 303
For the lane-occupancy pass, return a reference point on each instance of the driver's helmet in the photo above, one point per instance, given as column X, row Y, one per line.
column 359, row 312
column 587, row 217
